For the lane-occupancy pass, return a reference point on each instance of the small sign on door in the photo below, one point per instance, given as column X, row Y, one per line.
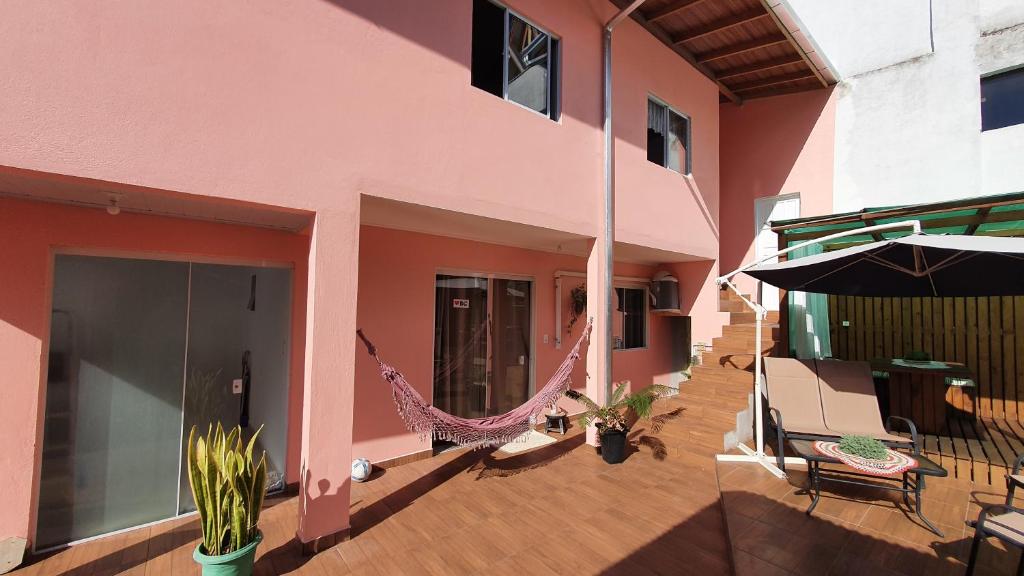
column 460, row 303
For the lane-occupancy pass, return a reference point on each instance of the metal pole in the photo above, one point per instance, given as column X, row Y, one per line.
column 609, row 191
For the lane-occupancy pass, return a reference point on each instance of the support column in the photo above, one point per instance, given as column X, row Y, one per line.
column 328, row 387
column 599, row 348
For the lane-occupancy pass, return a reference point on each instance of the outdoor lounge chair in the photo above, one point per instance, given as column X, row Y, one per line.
column 804, row 406
column 1002, row 521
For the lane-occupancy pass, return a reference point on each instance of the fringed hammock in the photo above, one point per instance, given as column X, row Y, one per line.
column 429, row 422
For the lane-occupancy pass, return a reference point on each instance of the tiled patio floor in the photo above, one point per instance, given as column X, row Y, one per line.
column 557, row 509
column 853, row 530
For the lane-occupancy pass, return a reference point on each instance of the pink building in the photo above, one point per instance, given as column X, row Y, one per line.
column 201, row 202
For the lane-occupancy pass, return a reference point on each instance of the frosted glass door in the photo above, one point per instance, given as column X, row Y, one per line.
column 113, row 399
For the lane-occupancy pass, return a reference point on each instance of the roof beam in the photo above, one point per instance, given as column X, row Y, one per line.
column 772, row 81
column 659, row 33
column 760, row 66
column 670, row 9
column 742, row 48
column 720, row 25
column 792, row 42
column 982, row 216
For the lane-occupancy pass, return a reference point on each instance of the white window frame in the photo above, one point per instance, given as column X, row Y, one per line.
column 646, row 314
column 688, row 169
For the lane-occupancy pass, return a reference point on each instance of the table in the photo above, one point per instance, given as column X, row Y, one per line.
column 925, row 392
column 925, row 467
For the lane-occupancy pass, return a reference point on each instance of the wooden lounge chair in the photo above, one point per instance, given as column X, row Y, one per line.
column 804, row 406
column 1002, row 521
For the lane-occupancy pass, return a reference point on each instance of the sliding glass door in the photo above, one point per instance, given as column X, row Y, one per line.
column 141, row 350
column 113, row 397
column 482, row 344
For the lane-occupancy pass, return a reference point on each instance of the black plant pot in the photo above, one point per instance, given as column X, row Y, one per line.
column 613, row 446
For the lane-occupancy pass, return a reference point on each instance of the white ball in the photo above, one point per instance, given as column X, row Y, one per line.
column 361, row 469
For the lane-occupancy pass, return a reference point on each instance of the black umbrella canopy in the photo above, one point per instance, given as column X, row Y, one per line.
column 915, row 265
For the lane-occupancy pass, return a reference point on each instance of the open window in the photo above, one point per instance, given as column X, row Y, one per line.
column 1002, row 100
column 630, row 318
column 668, row 137
column 513, row 59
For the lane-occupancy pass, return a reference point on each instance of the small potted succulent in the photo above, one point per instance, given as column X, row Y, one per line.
column 228, row 486
column 613, row 419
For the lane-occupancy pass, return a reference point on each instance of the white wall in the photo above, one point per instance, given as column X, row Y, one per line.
column 908, row 120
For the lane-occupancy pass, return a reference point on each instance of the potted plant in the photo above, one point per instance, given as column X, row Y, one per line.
column 577, row 304
column 613, row 419
column 228, row 486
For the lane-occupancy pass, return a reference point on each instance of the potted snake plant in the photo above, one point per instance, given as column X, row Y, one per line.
column 613, row 419
column 228, row 486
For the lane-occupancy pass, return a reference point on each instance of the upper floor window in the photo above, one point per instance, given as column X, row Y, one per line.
column 1002, row 100
column 668, row 137
column 630, row 318
column 514, row 59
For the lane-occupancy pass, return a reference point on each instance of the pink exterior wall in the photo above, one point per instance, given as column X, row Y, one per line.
column 307, row 106
column 30, row 233
column 772, row 146
column 396, row 310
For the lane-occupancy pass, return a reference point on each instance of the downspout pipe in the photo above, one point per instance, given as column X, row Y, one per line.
column 609, row 190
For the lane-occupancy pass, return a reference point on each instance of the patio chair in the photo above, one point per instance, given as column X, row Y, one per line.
column 850, row 405
column 794, row 402
column 824, row 400
column 1003, row 522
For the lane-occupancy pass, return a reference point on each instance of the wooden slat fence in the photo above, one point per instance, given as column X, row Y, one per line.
column 986, row 334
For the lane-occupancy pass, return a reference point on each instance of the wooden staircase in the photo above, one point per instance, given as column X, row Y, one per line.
column 719, row 396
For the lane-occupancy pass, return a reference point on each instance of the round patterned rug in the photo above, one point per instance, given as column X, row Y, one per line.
column 894, row 463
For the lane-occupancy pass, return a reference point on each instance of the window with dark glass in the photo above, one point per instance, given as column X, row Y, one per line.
column 513, row 59
column 631, row 318
column 668, row 137
column 1002, row 99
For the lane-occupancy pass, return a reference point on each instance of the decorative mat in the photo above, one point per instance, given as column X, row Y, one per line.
column 894, row 463
column 527, row 441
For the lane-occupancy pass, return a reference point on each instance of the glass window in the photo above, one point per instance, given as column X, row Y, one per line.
column 630, row 321
column 514, row 59
column 1002, row 100
column 668, row 137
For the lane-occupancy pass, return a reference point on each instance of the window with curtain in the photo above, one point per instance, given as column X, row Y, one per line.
column 668, row 137
column 630, row 318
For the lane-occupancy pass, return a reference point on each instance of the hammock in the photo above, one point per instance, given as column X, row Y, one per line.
column 429, row 422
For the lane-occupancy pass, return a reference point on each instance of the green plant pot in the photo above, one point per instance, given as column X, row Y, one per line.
column 237, row 563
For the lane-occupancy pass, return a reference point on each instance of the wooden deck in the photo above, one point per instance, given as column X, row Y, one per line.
column 981, row 450
column 854, row 530
column 556, row 509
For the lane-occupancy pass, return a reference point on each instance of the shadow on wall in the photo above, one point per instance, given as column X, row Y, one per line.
column 773, row 146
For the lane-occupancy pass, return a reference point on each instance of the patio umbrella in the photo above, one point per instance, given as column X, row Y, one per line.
column 915, row 265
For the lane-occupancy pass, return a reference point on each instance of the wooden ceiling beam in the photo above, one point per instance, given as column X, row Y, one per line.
column 772, row 81
column 670, row 9
column 659, row 33
column 760, row 66
column 742, row 48
column 720, row 25
column 792, row 42
column 982, row 217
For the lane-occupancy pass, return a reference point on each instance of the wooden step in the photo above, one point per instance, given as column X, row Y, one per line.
column 768, row 331
column 739, row 361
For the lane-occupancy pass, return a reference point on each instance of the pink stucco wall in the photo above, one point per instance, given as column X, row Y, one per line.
column 30, row 233
column 308, row 105
column 773, row 146
column 396, row 310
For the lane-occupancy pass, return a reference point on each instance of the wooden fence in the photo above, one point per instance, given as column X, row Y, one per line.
column 986, row 334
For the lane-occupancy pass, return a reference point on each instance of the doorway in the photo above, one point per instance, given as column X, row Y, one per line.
column 140, row 351
column 483, row 344
column 767, row 210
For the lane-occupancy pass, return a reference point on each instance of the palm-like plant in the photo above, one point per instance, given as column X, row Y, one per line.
column 613, row 416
